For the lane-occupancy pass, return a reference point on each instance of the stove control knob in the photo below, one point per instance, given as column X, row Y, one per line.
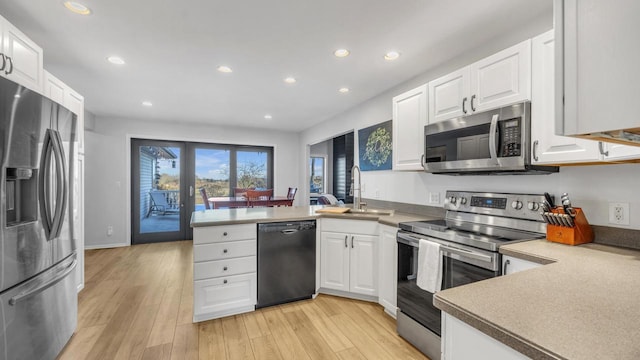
column 453, row 200
column 533, row 206
column 516, row 204
column 463, row 201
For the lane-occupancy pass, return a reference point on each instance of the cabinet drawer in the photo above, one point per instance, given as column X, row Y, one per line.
column 224, row 250
column 209, row 269
column 212, row 234
column 367, row 227
column 224, row 294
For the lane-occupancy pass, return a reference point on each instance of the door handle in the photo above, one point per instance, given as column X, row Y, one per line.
column 473, row 108
column 11, row 66
column 44, row 189
column 23, row 295
column 4, row 61
column 535, row 147
column 464, row 103
column 504, row 269
column 190, row 191
column 61, row 183
column 492, row 137
column 601, row 148
column 422, row 160
column 352, row 242
column 345, row 241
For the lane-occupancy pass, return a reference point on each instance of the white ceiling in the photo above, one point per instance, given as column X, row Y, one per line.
column 172, row 50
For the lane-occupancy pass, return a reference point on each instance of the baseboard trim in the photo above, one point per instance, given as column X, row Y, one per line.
column 104, row 246
column 349, row 295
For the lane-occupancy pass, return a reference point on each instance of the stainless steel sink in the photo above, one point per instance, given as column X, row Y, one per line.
column 372, row 211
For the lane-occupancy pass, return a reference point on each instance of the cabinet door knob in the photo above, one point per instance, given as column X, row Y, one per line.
column 224, row 233
column 224, row 268
column 225, row 251
column 225, row 281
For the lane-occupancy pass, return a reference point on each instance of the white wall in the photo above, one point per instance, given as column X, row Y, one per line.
column 590, row 187
column 107, row 158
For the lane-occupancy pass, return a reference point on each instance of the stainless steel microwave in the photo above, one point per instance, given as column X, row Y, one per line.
column 492, row 142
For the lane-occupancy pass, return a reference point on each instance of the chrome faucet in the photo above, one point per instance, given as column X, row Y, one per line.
column 357, row 200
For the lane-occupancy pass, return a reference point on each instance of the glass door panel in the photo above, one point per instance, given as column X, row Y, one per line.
column 252, row 169
column 158, row 191
column 211, row 173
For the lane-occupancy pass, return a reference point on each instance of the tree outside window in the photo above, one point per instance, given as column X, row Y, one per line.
column 317, row 178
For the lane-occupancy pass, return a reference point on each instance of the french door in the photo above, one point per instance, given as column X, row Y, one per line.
column 167, row 177
column 159, row 190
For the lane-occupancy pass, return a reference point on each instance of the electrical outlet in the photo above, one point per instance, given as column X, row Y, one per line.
column 434, row 198
column 109, row 230
column 619, row 213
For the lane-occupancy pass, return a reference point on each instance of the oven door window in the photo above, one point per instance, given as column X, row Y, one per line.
column 458, row 273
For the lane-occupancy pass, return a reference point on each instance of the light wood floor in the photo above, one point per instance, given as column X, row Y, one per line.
column 137, row 304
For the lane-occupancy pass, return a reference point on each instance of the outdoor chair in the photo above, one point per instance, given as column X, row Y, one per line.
column 159, row 204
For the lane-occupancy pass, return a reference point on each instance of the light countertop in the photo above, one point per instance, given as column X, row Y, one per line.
column 292, row 213
column 583, row 304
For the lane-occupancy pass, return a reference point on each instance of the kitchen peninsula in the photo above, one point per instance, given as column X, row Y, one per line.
column 225, row 255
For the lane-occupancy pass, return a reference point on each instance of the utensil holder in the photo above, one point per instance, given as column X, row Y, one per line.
column 580, row 233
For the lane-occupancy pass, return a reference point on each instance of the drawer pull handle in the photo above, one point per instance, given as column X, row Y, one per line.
column 224, row 234
column 225, row 281
column 224, row 268
column 225, row 251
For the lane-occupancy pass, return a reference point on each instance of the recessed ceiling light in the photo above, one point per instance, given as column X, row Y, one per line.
column 77, row 8
column 341, row 53
column 147, row 103
column 268, row 117
column 344, row 90
column 391, row 55
column 224, row 69
column 117, row 60
column 290, row 80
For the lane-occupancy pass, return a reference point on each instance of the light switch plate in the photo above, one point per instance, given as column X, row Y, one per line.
column 434, row 198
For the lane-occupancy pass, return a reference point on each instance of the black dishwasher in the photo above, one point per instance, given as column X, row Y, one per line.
column 286, row 262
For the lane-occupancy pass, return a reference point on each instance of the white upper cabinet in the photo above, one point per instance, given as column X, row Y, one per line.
column 547, row 147
column 409, row 119
column 22, row 59
column 501, row 79
column 449, row 96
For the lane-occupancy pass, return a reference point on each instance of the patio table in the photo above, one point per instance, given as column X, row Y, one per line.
column 241, row 201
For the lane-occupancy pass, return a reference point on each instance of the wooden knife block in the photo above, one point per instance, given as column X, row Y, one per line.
column 580, row 233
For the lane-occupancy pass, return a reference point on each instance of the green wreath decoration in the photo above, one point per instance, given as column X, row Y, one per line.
column 378, row 148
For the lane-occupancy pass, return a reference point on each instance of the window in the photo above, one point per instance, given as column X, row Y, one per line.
column 318, row 175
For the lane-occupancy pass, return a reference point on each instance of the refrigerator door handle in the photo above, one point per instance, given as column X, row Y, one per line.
column 61, row 184
column 44, row 184
column 57, row 278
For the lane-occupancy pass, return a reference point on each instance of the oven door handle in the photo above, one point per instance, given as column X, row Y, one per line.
column 492, row 139
column 466, row 253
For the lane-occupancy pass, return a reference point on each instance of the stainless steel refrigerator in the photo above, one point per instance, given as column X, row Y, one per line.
column 38, row 296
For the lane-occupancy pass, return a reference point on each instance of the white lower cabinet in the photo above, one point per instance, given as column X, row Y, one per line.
column 349, row 260
column 512, row 265
column 461, row 341
column 224, row 296
column 224, row 270
column 388, row 269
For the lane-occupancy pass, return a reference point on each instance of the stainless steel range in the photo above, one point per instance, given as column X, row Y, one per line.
column 475, row 226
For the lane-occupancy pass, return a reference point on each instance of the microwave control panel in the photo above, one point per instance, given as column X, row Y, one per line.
column 510, row 138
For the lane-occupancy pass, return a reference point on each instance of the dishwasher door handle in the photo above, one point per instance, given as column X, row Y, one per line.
column 289, row 231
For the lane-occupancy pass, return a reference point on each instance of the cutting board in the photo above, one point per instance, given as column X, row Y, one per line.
column 333, row 210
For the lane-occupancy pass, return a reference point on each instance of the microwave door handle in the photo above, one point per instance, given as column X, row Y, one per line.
column 492, row 139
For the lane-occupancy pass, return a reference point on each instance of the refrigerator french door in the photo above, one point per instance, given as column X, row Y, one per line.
column 38, row 301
